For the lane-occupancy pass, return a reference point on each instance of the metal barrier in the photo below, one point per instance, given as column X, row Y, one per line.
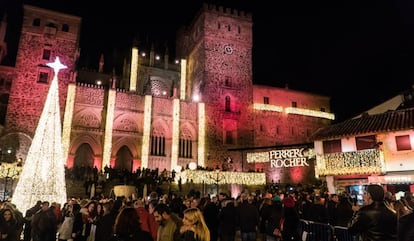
column 315, row 231
column 342, row 234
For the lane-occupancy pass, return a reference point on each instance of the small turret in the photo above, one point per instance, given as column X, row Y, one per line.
column 101, row 63
column 166, row 57
column 152, row 56
column 3, row 44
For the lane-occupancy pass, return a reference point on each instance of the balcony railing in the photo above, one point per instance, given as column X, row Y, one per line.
column 370, row 161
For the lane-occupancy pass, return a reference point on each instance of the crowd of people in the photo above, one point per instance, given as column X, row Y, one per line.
column 267, row 216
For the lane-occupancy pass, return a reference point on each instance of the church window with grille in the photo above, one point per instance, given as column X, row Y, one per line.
column 185, row 148
column 157, row 145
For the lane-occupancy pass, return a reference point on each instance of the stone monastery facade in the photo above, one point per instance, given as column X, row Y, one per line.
column 204, row 109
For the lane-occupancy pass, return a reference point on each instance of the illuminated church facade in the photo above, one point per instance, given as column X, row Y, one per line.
column 202, row 109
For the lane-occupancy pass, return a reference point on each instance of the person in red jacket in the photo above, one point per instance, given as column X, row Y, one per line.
column 148, row 222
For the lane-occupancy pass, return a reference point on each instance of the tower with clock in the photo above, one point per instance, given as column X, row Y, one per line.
column 218, row 47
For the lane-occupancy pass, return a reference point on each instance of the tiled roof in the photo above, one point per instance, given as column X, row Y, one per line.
column 397, row 120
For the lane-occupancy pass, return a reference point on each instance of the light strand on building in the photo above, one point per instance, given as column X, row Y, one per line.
column 134, row 70
column 368, row 161
column 146, row 131
column 201, row 134
column 220, row 177
column 175, row 133
column 183, row 79
column 258, row 106
column 314, row 113
column 67, row 119
column 110, row 113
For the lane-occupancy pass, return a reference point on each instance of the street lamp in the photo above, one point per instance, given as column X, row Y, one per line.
column 9, row 172
column 217, row 176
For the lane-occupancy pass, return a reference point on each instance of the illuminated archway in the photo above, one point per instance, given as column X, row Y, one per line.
column 124, row 159
column 84, row 156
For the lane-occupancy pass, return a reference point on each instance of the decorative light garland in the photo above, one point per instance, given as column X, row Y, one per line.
column 219, row 177
column 201, row 134
column 67, row 119
column 258, row 106
column 183, row 79
column 370, row 161
column 307, row 112
column 10, row 170
column 134, row 70
column 294, row 110
column 146, row 131
column 175, row 133
column 109, row 122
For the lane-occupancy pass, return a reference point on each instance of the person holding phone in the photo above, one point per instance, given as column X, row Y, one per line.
column 374, row 220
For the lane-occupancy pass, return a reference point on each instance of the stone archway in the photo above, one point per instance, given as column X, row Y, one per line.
column 84, row 156
column 124, row 159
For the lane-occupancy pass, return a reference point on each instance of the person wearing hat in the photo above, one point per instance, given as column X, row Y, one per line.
column 375, row 220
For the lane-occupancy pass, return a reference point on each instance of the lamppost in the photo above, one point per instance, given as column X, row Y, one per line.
column 217, row 176
column 9, row 172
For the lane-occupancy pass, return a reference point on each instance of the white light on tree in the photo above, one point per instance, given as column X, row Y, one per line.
column 43, row 174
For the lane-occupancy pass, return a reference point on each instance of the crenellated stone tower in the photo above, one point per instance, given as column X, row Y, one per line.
column 45, row 35
column 218, row 46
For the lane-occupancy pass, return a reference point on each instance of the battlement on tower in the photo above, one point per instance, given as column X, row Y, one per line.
column 227, row 11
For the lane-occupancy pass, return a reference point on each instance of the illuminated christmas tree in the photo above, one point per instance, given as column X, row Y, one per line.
column 43, row 174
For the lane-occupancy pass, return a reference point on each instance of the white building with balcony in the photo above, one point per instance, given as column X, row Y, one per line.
column 374, row 147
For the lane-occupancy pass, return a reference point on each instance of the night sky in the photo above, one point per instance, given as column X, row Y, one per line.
column 360, row 53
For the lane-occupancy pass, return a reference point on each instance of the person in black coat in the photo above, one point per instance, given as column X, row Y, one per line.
column 105, row 224
column 28, row 219
column 344, row 212
column 227, row 220
column 405, row 227
column 375, row 220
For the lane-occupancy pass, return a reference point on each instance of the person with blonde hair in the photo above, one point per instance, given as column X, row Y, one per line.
column 194, row 227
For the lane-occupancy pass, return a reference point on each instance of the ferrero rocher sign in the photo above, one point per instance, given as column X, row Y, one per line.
column 285, row 158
